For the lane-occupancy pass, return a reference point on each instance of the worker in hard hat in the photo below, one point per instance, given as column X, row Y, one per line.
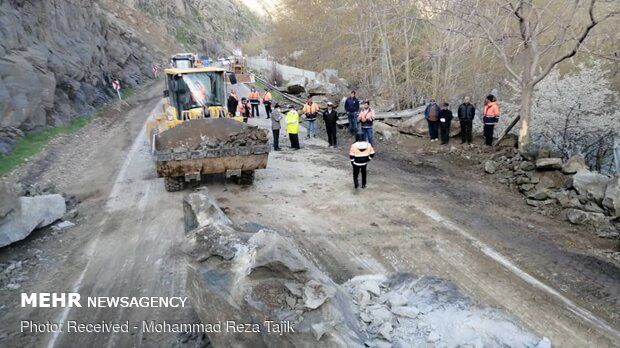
column 292, row 126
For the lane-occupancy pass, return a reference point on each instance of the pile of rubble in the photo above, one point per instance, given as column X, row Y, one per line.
column 261, row 277
column 209, row 134
column 553, row 185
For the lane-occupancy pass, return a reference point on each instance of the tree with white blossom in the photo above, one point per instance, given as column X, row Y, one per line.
column 577, row 113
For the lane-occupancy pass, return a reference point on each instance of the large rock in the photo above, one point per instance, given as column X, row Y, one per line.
column 580, row 217
column 611, row 201
column 549, row 163
column 264, row 277
column 384, row 129
column 268, row 278
column 490, row 166
column 8, row 199
column 574, row 164
column 415, row 125
column 591, row 185
column 30, row 213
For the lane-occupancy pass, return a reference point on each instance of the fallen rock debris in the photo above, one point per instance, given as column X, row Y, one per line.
column 261, row 276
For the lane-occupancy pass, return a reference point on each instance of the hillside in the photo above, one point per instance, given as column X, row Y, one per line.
column 57, row 59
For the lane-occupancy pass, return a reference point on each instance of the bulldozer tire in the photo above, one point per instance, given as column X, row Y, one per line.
column 247, row 177
column 174, row 184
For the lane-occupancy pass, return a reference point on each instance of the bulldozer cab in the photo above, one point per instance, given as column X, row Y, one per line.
column 194, row 93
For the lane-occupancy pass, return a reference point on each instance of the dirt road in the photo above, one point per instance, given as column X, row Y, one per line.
column 420, row 214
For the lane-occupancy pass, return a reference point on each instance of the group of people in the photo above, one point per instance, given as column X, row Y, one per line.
column 248, row 107
column 360, row 152
column 439, row 119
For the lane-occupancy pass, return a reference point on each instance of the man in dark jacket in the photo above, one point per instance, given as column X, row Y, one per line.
column 352, row 107
column 466, row 115
column 445, row 120
column 330, row 116
column 431, row 114
column 232, row 103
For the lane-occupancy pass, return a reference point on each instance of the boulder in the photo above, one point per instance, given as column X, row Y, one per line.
column 416, row 125
column 527, row 166
column 580, row 217
column 611, row 201
column 538, row 195
column 591, row 185
column 28, row 214
column 574, row 164
column 549, row 179
column 8, row 198
column 549, row 163
column 384, row 129
column 490, row 166
column 266, row 278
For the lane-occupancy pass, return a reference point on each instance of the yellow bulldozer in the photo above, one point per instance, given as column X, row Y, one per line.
column 192, row 136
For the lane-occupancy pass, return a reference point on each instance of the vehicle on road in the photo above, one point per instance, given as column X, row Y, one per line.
column 192, row 136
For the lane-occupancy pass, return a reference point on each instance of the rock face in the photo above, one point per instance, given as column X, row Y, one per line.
column 592, row 185
column 29, row 213
column 612, row 197
column 58, row 58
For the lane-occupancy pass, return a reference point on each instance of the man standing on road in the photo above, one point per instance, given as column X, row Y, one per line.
column 466, row 114
column 275, row 127
column 244, row 109
column 232, row 103
column 254, row 101
column 360, row 153
column 267, row 102
column 330, row 116
column 311, row 111
column 366, row 118
column 292, row 126
column 431, row 114
column 352, row 107
column 445, row 121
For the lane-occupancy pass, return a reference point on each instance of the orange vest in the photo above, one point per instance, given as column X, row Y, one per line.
column 267, row 96
column 254, row 95
column 310, row 108
column 491, row 109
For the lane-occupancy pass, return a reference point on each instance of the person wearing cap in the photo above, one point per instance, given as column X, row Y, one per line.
column 445, row 121
column 311, row 111
column 330, row 116
column 366, row 118
column 275, row 126
column 292, row 126
column 360, row 153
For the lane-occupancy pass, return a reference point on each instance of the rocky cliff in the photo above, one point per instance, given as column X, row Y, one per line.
column 58, row 58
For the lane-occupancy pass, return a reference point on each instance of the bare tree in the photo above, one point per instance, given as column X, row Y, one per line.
column 532, row 37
